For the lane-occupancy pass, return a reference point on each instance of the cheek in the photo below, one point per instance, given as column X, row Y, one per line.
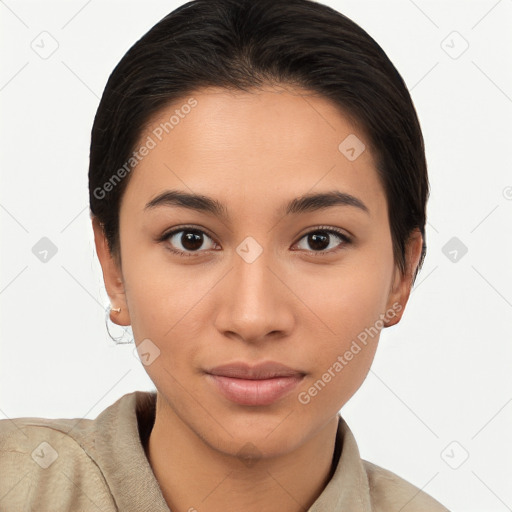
column 159, row 294
column 349, row 306
column 348, row 299
column 339, row 362
column 166, row 305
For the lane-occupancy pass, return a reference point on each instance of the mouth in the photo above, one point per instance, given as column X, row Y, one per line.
column 261, row 384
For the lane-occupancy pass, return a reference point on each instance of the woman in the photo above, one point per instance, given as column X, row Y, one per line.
column 258, row 188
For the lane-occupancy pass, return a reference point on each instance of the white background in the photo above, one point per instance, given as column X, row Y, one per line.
column 442, row 375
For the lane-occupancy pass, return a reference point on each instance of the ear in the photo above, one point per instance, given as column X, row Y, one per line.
column 112, row 275
column 402, row 282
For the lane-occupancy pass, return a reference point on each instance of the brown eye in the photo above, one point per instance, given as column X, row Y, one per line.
column 188, row 240
column 324, row 240
column 191, row 241
column 319, row 242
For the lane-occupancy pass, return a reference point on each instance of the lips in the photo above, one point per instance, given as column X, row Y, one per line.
column 266, row 370
column 261, row 384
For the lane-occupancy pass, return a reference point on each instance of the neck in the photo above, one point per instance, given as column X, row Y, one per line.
column 195, row 476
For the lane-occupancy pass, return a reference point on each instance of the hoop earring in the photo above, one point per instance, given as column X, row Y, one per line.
column 127, row 335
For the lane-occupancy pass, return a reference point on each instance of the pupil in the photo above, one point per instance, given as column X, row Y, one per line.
column 191, row 240
column 319, row 241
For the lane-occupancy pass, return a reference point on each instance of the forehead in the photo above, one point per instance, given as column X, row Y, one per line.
column 271, row 141
column 272, row 118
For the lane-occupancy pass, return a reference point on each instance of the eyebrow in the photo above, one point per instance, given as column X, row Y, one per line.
column 303, row 204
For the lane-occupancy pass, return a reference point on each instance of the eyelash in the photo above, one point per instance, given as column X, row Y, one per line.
column 332, row 231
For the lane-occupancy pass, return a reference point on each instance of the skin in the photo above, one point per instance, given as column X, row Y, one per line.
column 294, row 304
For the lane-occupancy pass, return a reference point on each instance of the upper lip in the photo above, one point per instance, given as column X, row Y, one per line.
column 266, row 370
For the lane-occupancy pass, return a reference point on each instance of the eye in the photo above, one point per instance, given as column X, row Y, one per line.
column 190, row 241
column 321, row 239
column 186, row 241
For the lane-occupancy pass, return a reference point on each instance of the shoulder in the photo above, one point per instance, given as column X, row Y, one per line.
column 45, row 467
column 388, row 491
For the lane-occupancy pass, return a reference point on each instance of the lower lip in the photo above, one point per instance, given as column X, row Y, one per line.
column 255, row 392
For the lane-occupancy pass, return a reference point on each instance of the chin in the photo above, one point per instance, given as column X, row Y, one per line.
column 253, row 445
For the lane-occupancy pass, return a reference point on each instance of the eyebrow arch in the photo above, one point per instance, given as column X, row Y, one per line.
column 303, row 204
column 312, row 202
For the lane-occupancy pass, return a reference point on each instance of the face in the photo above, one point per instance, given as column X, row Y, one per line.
column 255, row 273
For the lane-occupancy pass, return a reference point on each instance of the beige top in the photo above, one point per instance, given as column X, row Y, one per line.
column 96, row 465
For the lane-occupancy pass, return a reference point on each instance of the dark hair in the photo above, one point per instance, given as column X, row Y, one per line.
column 246, row 44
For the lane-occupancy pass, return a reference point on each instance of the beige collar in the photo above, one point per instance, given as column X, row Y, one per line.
column 112, row 440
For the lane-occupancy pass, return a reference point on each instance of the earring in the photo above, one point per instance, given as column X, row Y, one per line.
column 127, row 334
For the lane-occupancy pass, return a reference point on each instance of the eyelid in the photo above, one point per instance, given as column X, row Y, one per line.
column 343, row 233
column 177, row 229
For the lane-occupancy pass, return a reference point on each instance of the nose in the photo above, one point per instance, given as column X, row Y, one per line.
column 255, row 303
